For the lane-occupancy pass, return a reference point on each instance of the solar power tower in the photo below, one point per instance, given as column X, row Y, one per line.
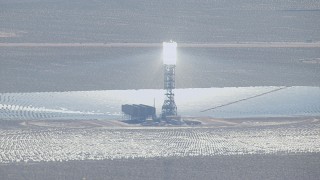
column 169, row 107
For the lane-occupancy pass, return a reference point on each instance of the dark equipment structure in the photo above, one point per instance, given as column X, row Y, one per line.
column 138, row 112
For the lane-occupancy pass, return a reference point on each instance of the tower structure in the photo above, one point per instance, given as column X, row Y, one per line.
column 169, row 107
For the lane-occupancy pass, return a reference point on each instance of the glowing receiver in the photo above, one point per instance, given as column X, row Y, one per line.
column 170, row 53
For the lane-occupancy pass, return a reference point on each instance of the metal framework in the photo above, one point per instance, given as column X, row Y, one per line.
column 169, row 107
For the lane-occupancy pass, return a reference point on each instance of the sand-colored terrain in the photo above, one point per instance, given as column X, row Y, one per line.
column 181, row 45
column 247, row 74
column 7, row 34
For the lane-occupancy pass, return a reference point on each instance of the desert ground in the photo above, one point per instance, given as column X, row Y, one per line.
column 248, row 71
column 297, row 166
column 50, row 69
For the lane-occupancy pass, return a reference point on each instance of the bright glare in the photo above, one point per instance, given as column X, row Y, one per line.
column 170, row 53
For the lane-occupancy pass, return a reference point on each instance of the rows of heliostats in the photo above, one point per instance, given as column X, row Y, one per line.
column 25, row 145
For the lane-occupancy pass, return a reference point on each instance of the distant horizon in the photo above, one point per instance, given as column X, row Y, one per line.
column 180, row 45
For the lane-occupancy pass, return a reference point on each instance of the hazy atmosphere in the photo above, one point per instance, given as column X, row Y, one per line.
column 241, row 101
